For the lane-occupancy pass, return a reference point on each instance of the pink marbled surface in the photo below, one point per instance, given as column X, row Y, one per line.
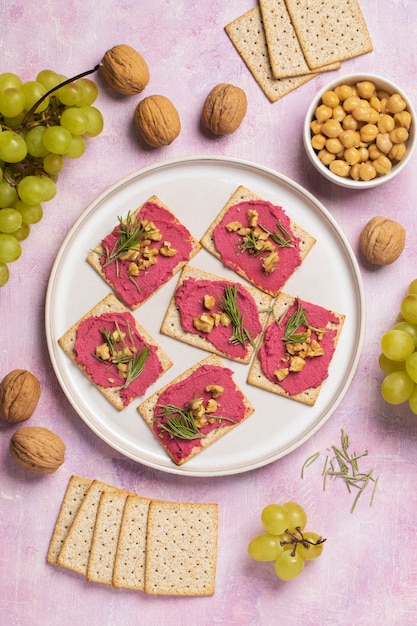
column 368, row 572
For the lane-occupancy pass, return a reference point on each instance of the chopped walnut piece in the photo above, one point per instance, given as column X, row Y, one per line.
column 204, row 323
column 103, row 352
column 252, row 217
column 151, row 230
column 133, row 269
column 215, row 390
column 282, row 373
column 216, row 318
column 130, row 255
column 211, row 406
column 232, row 226
column 122, row 368
column 315, row 349
column 209, row 301
column 225, row 320
column 118, row 335
column 166, row 249
column 270, row 262
column 296, row 363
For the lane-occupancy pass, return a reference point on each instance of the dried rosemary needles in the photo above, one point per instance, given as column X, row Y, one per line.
column 340, row 463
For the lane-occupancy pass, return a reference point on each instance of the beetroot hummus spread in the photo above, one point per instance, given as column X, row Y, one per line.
column 274, row 356
column 105, row 373
column 230, row 407
column 136, row 288
column 190, row 300
column 236, row 254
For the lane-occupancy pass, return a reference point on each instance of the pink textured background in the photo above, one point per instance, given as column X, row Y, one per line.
column 368, row 571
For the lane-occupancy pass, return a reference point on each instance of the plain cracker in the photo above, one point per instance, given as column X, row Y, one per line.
column 329, row 30
column 285, row 53
column 129, row 564
column 247, row 34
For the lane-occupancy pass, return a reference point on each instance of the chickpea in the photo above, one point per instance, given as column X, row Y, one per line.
column 334, row 145
column 351, row 103
column 375, row 103
column 382, row 94
column 344, row 91
column 351, row 155
column 355, row 171
column 330, row 99
column 366, row 89
column 403, row 119
column 383, row 142
column 326, row 157
column 374, row 153
column 385, row 123
column 363, row 154
column 349, row 123
column 367, row 171
column 397, row 151
column 349, row 138
column 365, row 113
column 396, row 103
column 339, row 167
column 318, row 141
column 399, row 135
column 331, row 128
column 368, row 133
column 339, row 113
column 382, row 165
column 315, row 127
column 323, row 113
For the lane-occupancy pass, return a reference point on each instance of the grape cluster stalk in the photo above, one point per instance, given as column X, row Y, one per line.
column 42, row 123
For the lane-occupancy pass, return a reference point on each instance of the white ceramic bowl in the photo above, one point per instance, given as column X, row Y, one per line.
column 397, row 167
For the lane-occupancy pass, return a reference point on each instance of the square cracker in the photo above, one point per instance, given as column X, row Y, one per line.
column 329, row 30
column 171, row 324
column 74, row 495
column 105, row 536
column 93, row 257
column 109, row 304
column 181, row 549
column 129, row 564
column 285, row 53
column 146, row 410
column 256, row 375
column 247, row 34
column 243, row 194
column 75, row 551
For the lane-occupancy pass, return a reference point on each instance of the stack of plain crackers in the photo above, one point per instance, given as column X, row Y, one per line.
column 117, row 538
column 286, row 43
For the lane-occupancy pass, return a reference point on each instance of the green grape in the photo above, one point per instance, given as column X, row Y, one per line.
column 411, row 329
column 89, row 91
column 287, row 541
column 4, row 274
column 57, row 139
column 388, row 366
column 12, row 147
column 95, row 121
column 10, row 249
column 53, row 164
column 297, row 516
column 275, row 519
column 412, row 287
column 33, row 92
column 32, row 190
column 312, row 551
column 14, row 122
column 49, row 79
column 8, row 195
column 265, row 547
column 35, row 145
column 31, row 213
column 77, row 147
column 75, row 120
column 289, row 565
column 70, row 95
column 408, row 307
column 23, row 232
column 8, row 79
column 410, row 364
column 397, row 345
column 397, row 387
column 10, row 220
column 412, row 401
column 50, row 188
column 12, row 102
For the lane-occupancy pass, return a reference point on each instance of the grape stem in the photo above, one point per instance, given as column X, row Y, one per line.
column 297, row 538
column 48, row 93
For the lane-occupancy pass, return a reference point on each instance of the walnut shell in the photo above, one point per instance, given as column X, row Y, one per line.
column 157, row 120
column 224, row 109
column 37, row 449
column 382, row 241
column 125, row 70
column 19, row 395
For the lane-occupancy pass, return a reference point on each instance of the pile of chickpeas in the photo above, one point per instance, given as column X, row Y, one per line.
column 360, row 131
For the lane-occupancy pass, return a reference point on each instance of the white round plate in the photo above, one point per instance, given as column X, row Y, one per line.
column 195, row 189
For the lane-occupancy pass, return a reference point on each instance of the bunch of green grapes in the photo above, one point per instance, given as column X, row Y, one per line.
column 42, row 122
column 285, row 540
column 398, row 359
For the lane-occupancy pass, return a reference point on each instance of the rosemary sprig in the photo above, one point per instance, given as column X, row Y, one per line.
column 342, row 464
column 297, row 319
column 135, row 360
column 179, row 422
column 229, row 305
column 130, row 234
column 281, row 236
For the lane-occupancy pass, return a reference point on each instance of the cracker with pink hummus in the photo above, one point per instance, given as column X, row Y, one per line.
column 115, row 352
column 297, row 348
column 216, row 315
column 196, row 409
column 258, row 240
column 143, row 252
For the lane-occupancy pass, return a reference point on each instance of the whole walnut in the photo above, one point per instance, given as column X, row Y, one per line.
column 224, row 109
column 382, row 241
column 37, row 449
column 125, row 70
column 19, row 395
column 157, row 120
